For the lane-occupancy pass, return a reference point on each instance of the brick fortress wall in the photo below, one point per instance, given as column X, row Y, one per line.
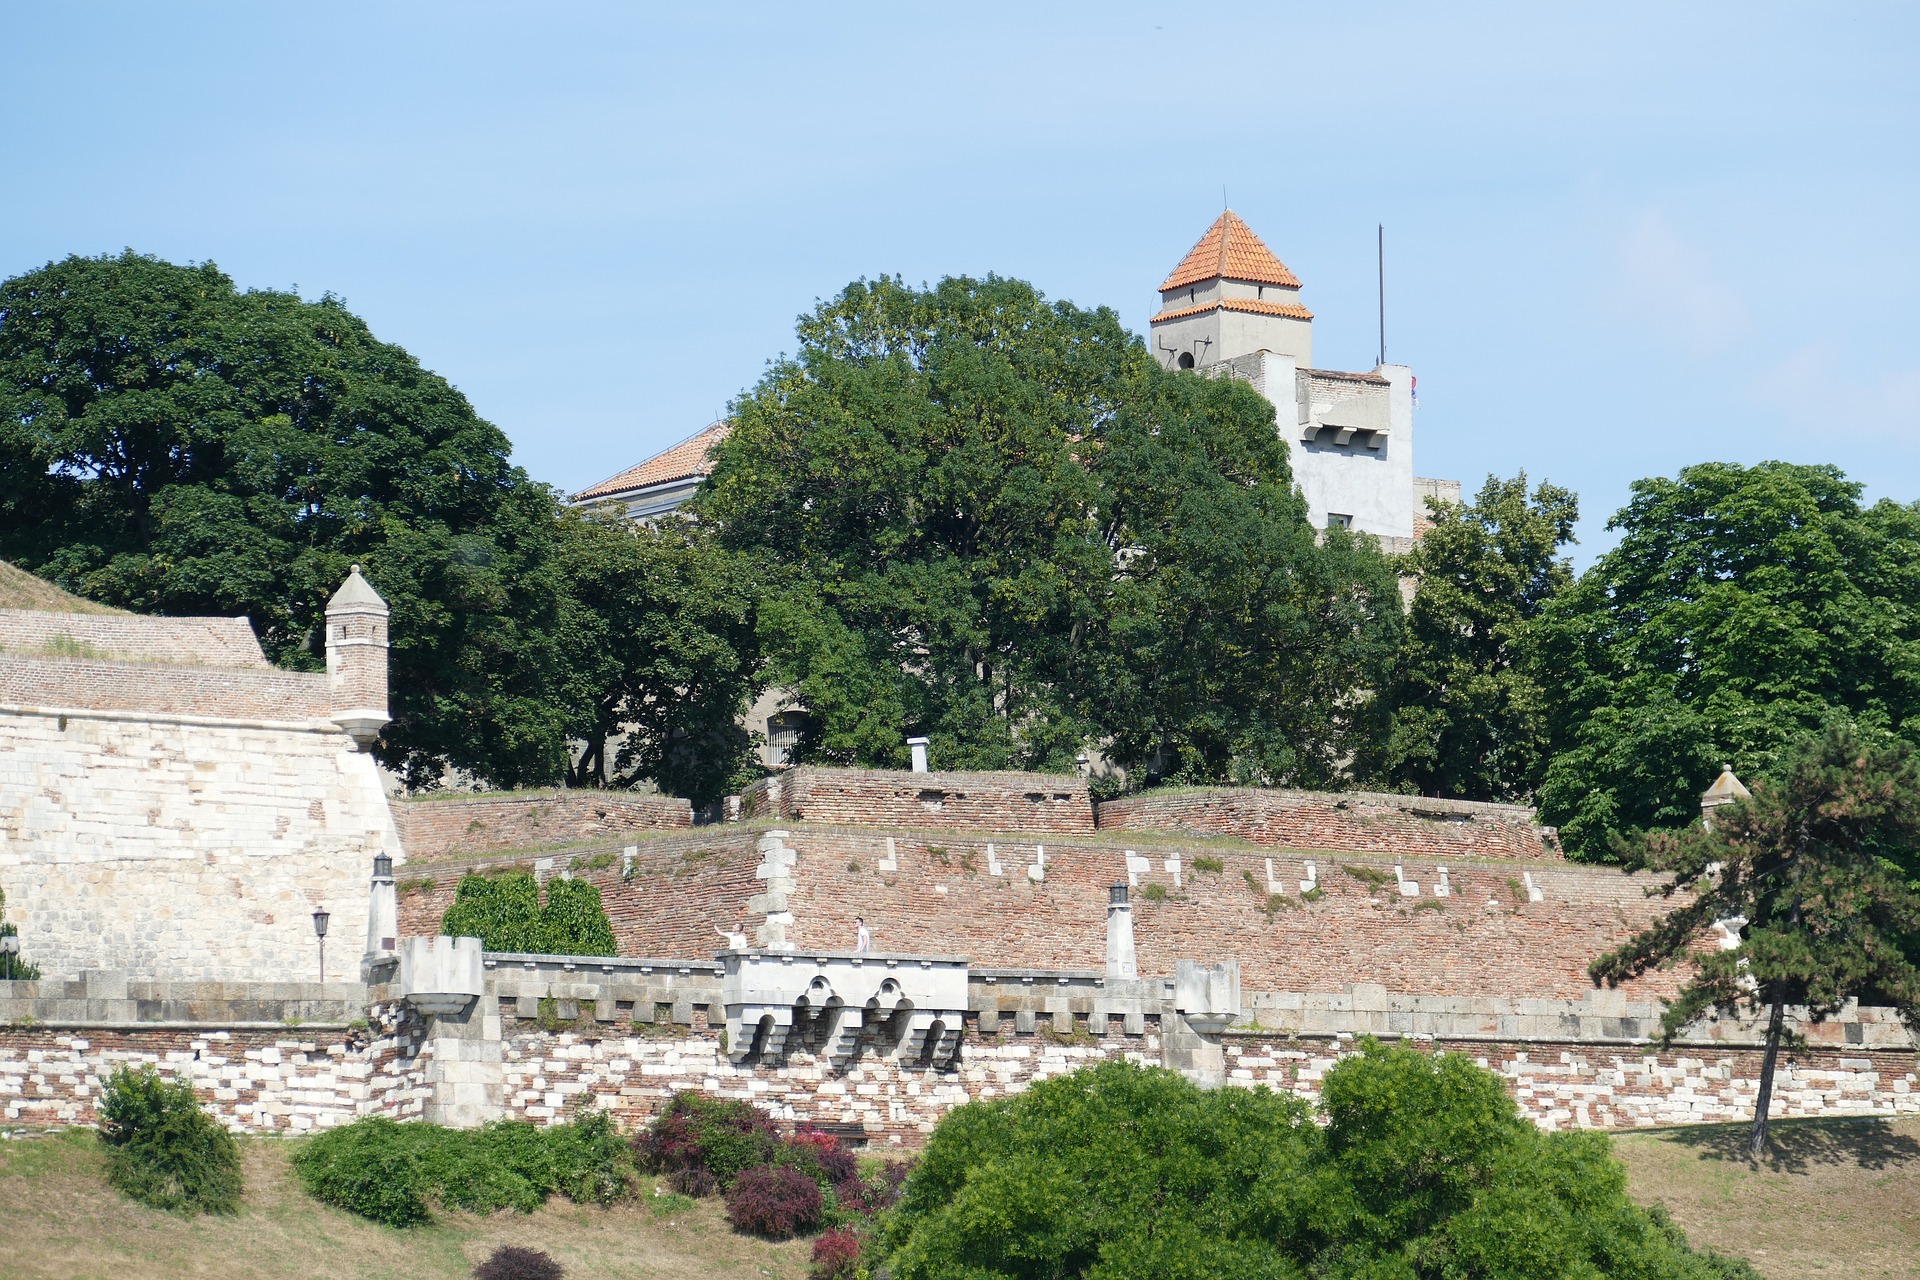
column 450, row 826
column 1035, row 802
column 1348, row 821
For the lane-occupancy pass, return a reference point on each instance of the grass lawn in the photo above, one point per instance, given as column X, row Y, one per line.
column 60, row 1221
column 1838, row 1197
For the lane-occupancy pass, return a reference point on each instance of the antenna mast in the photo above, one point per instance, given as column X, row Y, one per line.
column 1381, row 230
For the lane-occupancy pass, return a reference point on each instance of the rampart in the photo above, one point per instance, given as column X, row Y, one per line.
column 551, row 1033
column 1346, row 821
column 1035, row 802
column 448, row 825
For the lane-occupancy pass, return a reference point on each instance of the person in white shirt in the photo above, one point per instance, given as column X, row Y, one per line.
column 736, row 941
column 862, row 940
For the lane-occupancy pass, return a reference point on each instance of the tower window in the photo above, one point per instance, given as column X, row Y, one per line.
column 1335, row 520
column 1259, row 291
column 1186, row 359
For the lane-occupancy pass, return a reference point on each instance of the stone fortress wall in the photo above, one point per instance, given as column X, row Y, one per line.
column 172, row 809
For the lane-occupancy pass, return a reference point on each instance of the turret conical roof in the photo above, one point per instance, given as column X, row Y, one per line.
column 1231, row 250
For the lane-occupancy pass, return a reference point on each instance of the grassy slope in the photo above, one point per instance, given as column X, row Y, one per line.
column 21, row 590
column 60, row 1221
column 1839, row 1197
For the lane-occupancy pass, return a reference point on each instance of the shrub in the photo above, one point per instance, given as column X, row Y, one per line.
column 721, row 1135
column 14, row 968
column 1423, row 1167
column 874, row 1191
column 504, row 911
column 163, row 1150
column 394, row 1173
column 818, row 1155
column 695, row 1183
column 836, row 1255
column 775, row 1203
column 511, row 1262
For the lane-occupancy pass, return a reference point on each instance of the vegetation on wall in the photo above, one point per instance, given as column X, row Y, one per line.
column 14, row 966
column 162, row 1149
column 505, row 912
column 1422, row 1168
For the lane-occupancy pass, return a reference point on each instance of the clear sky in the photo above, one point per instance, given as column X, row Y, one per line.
column 1620, row 238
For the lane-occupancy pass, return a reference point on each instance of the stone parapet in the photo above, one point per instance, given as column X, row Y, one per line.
column 1007, row 801
column 109, row 998
column 1345, row 821
column 435, row 827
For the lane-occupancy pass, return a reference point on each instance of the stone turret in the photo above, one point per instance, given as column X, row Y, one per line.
column 357, row 659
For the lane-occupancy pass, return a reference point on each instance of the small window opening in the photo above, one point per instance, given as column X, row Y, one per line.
column 1336, row 520
column 1186, row 359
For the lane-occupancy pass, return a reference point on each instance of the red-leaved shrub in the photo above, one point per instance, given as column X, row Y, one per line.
column 818, row 1155
column 871, row 1194
column 836, row 1255
column 510, row 1262
column 695, row 1182
column 774, row 1202
column 722, row 1136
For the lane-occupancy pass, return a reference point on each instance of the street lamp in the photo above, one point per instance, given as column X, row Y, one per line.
column 320, row 917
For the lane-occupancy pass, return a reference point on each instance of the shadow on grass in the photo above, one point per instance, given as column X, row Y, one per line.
column 1796, row 1146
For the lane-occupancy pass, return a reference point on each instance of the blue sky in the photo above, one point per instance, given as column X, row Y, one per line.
column 1621, row 238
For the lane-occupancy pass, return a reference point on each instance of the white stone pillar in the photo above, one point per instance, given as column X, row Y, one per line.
column 1121, row 960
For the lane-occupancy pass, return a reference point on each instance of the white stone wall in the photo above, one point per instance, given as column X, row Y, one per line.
column 186, row 848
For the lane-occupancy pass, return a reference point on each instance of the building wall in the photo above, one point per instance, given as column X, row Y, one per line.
column 443, row 826
column 184, row 847
column 1374, row 486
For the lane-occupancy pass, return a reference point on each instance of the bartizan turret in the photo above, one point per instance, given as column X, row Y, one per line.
column 357, row 659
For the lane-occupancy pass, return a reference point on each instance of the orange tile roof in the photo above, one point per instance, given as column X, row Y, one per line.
column 691, row 457
column 1291, row 310
column 1230, row 250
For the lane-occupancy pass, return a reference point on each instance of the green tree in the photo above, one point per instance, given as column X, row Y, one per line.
column 995, row 521
column 1462, row 712
column 504, row 911
column 660, row 655
column 162, row 1149
column 171, row 444
column 1741, row 607
column 1818, row 865
column 14, row 967
column 1424, row 1170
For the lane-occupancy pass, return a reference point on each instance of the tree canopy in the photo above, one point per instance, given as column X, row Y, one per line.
column 505, row 912
column 1742, row 606
column 1817, row 869
column 172, row 444
column 1423, row 1169
column 994, row 520
column 1461, row 712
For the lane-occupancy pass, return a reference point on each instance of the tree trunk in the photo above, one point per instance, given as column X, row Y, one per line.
column 1757, row 1144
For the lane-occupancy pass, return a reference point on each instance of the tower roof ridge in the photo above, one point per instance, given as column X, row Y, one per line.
column 1230, row 250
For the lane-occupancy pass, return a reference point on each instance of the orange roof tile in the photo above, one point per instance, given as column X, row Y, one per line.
column 691, row 457
column 1291, row 310
column 1230, row 250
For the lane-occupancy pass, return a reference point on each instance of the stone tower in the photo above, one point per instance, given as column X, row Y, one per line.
column 1230, row 296
column 357, row 659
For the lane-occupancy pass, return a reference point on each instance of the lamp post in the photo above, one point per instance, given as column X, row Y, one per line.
column 320, row 916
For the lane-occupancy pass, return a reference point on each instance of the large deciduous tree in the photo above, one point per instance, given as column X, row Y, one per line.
column 995, row 521
column 1462, row 712
column 659, row 653
column 1819, row 865
column 1741, row 607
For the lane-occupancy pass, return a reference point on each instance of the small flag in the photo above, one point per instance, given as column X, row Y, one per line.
column 1413, row 385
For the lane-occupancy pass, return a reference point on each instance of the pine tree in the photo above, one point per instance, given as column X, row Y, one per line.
column 1819, row 863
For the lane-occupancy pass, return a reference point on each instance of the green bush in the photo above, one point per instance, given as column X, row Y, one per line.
column 398, row 1173
column 162, row 1149
column 14, row 968
column 504, row 911
column 1423, row 1170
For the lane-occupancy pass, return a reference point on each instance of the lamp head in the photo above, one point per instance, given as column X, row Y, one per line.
column 320, row 918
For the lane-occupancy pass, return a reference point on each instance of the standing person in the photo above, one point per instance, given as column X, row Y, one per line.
column 736, row 940
column 862, row 940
